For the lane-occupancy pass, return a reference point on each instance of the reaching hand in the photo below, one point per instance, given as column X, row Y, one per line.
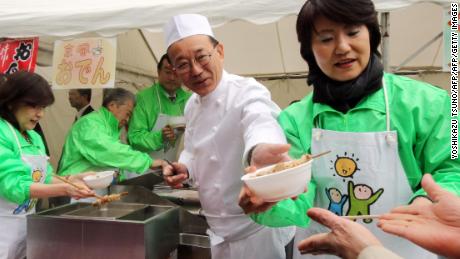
column 168, row 133
column 175, row 174
column 346, row 239
column 435, row 227
column 82, row 192
column 268, row 154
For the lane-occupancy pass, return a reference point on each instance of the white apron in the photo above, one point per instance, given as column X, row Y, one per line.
column 170, row 149
column 13, row 224
column 363, row 175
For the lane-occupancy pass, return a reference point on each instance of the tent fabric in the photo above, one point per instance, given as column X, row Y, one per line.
column 269, row 47
column 108, row 18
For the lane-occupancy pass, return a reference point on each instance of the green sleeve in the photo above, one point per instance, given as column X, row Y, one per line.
column 432, row 147
column 290, row 212
column 140, row 135
column 292, row 134
column 100, row 149
column 15, row 179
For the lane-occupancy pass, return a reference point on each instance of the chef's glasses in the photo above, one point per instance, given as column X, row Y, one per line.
column 185, row 65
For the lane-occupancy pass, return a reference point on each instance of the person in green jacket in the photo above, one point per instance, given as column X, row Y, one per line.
column 149, row 128
column 25, row 173
column 384, row 131
column 93, row 142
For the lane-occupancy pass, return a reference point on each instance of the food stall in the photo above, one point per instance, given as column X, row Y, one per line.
column 141, row 225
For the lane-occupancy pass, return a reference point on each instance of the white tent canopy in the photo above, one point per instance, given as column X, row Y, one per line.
column 258, row 35
column 108, row 17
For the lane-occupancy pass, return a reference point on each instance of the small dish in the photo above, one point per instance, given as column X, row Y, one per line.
column 99, row 180
column 283, row 184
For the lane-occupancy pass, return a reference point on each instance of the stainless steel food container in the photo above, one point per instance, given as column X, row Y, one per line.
column 121, row 230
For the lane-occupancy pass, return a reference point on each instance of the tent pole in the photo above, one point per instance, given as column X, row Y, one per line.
column 418, row 51
column 385, row 23
column 148, row 45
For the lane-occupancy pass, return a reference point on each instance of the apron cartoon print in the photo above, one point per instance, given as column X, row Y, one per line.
column 362, row 175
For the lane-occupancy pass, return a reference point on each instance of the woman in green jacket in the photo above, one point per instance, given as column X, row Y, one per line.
column 25, row 173
column 384, row 131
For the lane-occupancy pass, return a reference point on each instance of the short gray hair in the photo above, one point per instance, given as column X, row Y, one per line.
column 119, row 96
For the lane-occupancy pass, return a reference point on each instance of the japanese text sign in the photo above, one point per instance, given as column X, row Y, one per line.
column 18, row 54
column 84, row 63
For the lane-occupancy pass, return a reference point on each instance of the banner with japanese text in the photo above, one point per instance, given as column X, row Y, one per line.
column 18, row 54
column 84, row 63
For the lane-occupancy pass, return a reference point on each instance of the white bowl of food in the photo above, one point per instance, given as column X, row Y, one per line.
column 177, row 122
column 99, row 180
column 280, row 181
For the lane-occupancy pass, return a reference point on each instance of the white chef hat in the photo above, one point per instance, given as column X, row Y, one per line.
column 185, row 25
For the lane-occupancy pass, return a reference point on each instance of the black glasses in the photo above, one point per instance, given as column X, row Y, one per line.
column 184, row 66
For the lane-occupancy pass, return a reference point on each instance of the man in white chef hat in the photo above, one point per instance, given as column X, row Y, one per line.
column 227, row 116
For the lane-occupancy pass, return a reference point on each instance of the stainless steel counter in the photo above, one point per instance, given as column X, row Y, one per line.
column 122, row 230
column 141, row 225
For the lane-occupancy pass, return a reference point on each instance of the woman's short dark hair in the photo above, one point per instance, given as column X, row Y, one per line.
column 350, row 12
column 23, row 88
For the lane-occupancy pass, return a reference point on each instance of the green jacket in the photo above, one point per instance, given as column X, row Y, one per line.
column 15, row 178
column 93, row 144
column 420, row 113
column 145, row 115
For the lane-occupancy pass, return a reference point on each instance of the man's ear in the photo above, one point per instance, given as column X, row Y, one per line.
column 220, row 50
column 111, row 106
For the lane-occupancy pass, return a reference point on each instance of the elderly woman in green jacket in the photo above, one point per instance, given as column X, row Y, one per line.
column 25, row 173
column 384, row 131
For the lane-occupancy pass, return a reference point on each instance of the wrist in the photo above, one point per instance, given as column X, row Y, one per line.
column 249, row 156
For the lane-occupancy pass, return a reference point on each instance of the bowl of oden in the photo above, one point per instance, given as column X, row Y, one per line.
column 280, row 181
column 99, row 180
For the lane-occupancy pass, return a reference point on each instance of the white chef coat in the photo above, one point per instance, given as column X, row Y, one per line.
column 221, row 128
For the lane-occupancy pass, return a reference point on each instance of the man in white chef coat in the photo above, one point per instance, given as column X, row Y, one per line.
column 226, row 117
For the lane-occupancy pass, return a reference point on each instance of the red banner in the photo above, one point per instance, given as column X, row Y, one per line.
column 18, row 55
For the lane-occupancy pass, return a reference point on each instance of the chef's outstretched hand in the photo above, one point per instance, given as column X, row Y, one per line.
column 174, row 174
column 268, row 154
column 249, row 202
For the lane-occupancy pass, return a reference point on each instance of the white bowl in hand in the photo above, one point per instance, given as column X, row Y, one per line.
column 99, row 180
column 287, row 183
column 177, row 121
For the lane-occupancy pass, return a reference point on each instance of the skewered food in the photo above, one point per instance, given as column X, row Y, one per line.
column 283, row 166
column 108, row 198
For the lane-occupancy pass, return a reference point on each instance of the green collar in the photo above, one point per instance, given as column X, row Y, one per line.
column 180, row 93
column 109, row 118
